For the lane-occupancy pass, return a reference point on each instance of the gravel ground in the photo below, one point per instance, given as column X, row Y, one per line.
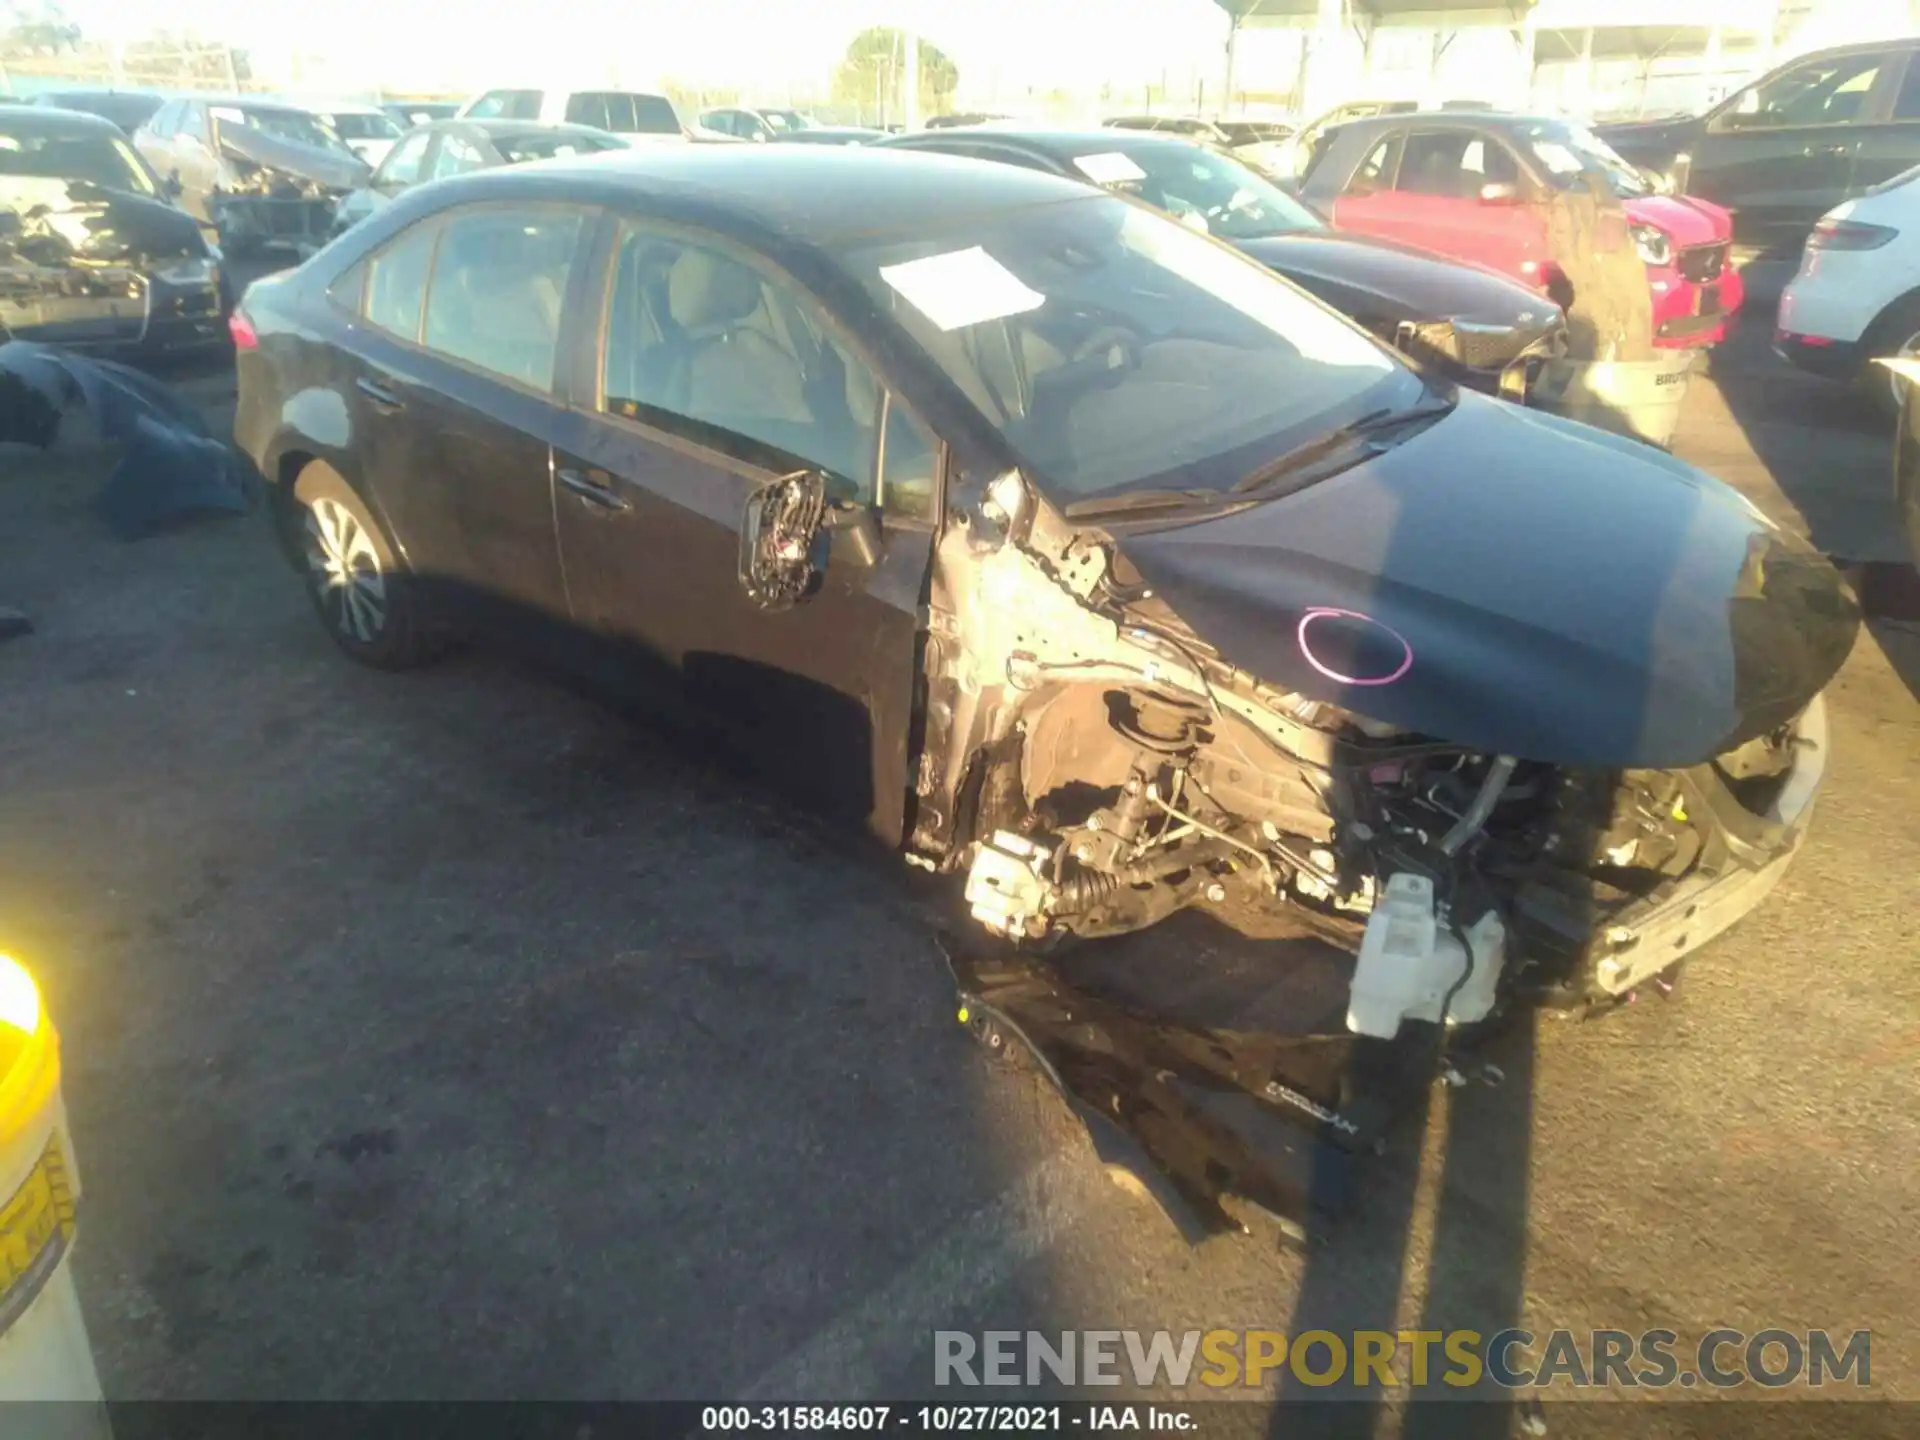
column 448, row 1035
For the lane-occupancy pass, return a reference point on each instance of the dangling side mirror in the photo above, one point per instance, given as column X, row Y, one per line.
column 780, row 540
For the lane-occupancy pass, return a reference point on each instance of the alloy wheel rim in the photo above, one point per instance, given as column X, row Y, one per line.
column 345, row 571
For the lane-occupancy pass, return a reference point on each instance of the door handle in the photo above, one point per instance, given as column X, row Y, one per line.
column 595, row 487
column 384, row 400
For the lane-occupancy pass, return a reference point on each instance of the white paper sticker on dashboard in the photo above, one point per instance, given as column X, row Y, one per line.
column 961, row 288
column 1108, row 168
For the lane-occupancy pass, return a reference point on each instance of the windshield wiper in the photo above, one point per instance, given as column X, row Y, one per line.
column 1295, row 464
column 1130, row 500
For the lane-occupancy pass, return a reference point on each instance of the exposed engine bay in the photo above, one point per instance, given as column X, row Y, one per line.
column 1116, row 770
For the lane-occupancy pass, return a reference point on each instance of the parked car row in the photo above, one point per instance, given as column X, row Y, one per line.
column 1076, row 555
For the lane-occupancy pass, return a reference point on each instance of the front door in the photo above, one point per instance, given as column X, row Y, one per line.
column 1458, row 192
column 1780, row 153
column 718, row 374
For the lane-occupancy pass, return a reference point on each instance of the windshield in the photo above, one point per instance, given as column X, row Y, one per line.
column 363, row 125
column 1113, row 349
column 104, row 160
column 1203, row 189
column 787, row 120
column 549, row 144
column 1566, row 152
column 296, row 126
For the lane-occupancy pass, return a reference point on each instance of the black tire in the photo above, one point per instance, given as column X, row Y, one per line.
column 1896, row 331
column 363, row 595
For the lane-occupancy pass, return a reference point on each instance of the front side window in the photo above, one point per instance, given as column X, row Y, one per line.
column 165, row 120
column 1820, row 92
column 1455, row 164
column 1379, row 169
column 362, row 125
column 1113, row 348
column 588, row 109
column 1198, row 187
column 396, row 286
column 549, row 144
column 402, row 165
column 499, row 285
column 705, row 346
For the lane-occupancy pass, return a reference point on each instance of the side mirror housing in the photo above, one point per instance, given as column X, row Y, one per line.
column 1499, row 194
column 786, row 538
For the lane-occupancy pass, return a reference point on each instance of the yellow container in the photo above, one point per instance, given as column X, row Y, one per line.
column 44, row 1352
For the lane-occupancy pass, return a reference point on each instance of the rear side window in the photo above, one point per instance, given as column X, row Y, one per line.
column 397, row 281
column 402, row 166
column 499, row 284
column 456, row 157
column 1906, row 105
column 507, row 105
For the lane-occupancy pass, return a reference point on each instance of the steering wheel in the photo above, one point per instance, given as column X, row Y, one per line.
column 1111, row 347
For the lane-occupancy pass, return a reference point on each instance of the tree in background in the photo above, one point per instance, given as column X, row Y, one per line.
column 870, row 75
column 166, row 59
column 36, row 27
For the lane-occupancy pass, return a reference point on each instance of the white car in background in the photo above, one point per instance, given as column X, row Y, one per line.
column 638, row 114
column 1857, row 296
column 368, row 130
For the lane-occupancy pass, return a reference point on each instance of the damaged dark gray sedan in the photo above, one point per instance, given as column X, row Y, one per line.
column 1081, row 558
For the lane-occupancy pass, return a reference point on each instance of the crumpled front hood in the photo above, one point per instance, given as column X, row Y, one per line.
column 1519, row 584
column 1369, row 278
column 64, row 220
column 336, row 170
column 1687, row 220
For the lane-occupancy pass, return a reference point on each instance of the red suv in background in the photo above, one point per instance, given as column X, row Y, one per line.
column 1476, row 186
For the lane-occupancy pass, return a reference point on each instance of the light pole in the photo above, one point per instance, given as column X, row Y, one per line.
column 910, row 106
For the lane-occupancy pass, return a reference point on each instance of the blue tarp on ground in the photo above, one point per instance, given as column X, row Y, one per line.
column 171, row 466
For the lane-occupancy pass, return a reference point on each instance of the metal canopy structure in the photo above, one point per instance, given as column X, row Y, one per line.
column 1412, row 14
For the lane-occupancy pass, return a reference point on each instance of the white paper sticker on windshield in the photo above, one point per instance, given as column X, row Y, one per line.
column 1557, row 157
column 961, row 288
column 1108, row 168
column 227, row 112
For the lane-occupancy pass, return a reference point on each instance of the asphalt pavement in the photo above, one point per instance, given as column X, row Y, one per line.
column 450, row 1035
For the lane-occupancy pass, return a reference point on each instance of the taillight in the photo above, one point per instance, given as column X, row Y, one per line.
column 1849, row 235
column 245, row 337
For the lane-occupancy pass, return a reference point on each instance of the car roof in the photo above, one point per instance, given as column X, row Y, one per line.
column 807, row 194
column 48, row 119
column 1063, row 143
column 1450, row 120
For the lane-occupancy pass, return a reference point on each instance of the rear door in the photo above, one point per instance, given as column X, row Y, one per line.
column 1780, row 153
column 453, row 403
column 1890, row 143
column 716, row 374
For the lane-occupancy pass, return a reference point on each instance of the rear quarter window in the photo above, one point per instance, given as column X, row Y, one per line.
column 396, row 281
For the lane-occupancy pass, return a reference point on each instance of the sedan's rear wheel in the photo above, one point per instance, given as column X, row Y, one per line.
column 365, row 598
